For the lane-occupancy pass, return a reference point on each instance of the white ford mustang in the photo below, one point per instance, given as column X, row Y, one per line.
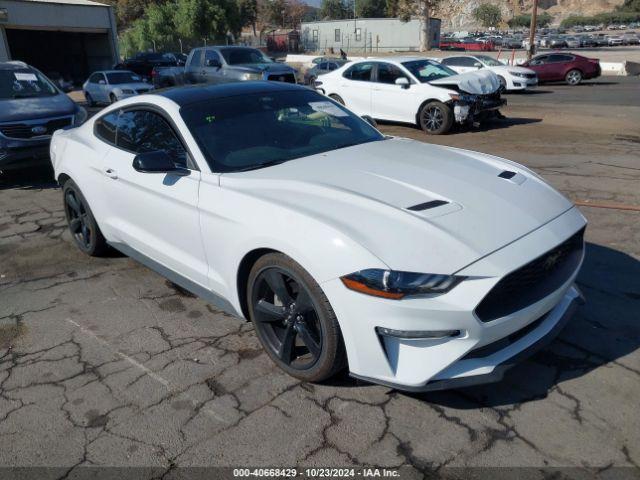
column 418, row 266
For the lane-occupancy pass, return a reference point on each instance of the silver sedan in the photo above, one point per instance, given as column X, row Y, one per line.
column 109, row 86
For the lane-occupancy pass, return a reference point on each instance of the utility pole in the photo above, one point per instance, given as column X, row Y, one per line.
column 532, row 30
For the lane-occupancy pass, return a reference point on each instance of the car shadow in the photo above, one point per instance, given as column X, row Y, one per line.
column 497, row 124
column 33, row 178
column 601, row 332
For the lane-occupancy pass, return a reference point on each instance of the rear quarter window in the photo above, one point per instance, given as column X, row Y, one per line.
column 105, row 128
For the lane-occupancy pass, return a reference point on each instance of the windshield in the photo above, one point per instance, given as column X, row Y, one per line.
column 489, row 61
column 116, row 78
column 24, row 83
column 427, row 70
column 236, row 56
column 251, row 131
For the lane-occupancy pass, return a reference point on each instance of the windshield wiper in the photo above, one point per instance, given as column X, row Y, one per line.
column 260, row 165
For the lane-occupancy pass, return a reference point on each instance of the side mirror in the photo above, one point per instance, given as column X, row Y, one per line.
column 477, row 65
column 370, row 121
column 403, row 82
column 101, row 82
column 210, row 62
column 158, row 162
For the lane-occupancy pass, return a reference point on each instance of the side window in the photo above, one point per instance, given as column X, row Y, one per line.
column 540, row 60
column 211, row 55
column 332, row 66
column 315, row 36
column 452, row 61
column 467, row 62
column 337, row 37
column 358, row 34
column 196, row 59
column 105, row 128
column 360, row 71
column 388, row 73
column 141, row 131
column 93, row 78
column 560, row 58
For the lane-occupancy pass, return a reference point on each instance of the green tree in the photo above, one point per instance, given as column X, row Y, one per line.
column 333, row 10
column 371, row 8
column 630, row 6
column 199, row 20
column 160, row 24
column 248, row 12
column 542, row 20
column 488, row 15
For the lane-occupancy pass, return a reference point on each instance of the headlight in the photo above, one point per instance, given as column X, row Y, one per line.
column 80, row 116
column 127, row 91
column 518, row 74
column 397, row 285
column 251, row 76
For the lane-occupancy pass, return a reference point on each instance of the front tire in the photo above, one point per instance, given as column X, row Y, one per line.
column 503, row 84
column 90, row 101
column 113, row 98
column 573, row 77
column 337, row 98
column 435, row 118
column 82, row 224
column 294, row 320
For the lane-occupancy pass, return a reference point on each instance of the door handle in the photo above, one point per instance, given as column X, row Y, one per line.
column 111, row 173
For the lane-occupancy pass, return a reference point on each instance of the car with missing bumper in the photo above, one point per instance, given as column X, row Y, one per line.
column 31, row 109
column 414, row 90
column 414, row 265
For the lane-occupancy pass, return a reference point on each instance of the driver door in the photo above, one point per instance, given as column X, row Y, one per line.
column 154, row 214
column 388, row 100
column 356, row 87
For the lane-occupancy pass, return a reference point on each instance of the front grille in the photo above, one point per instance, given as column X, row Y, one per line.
column 533, row 281
column 503, row 343
column 282, row 77
column 35, row 128
column 530, row 75
column 141, row 91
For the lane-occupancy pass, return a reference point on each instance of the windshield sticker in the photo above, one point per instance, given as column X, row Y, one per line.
column 26, row 77
column 328, row 108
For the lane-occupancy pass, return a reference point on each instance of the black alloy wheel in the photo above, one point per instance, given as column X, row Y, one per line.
column 83, row 227
column 293, row 319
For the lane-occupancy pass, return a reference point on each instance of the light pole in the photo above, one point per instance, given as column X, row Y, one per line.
column 532, row 30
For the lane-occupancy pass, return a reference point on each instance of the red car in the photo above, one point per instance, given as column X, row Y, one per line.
column 568, row 67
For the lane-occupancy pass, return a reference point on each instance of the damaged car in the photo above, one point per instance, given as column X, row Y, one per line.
column 415, row 90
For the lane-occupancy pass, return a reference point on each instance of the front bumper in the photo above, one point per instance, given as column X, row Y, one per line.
column 522, row 83
column 480, row 353
column 16, row 154
column 467, row 110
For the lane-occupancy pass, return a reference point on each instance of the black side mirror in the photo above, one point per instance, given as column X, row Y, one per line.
column 370, row 121
column 210, row 62
column 158, row 162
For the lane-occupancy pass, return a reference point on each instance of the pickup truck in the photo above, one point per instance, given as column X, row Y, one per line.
column 223, row 64
column 143, row 63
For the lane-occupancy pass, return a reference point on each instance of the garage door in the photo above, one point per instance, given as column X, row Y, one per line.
column 72, row 55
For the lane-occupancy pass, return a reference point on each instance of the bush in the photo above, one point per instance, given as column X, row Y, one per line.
column 542, row 20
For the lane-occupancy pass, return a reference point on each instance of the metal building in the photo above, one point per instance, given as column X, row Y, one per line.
column 366, row 35
column 70, row 37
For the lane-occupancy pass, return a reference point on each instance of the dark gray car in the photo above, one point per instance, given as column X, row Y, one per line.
column 31, row 109
column 234, row 64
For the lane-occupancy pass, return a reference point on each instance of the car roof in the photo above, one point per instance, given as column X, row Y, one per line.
column 14, row 65
column 196, row 93
column 112, row 71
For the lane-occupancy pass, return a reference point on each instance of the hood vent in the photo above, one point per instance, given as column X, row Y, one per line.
column 427, row 205
column 507, row 174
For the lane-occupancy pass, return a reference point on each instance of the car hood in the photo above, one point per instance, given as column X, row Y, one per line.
column 34, row 108
column 134, row 86
column 365, row 192
column 478, row 83
column 514, row 68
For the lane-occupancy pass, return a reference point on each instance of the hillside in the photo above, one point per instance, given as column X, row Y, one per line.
column 458, row 14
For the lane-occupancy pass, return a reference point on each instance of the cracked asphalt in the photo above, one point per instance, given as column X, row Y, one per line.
column 104, row 363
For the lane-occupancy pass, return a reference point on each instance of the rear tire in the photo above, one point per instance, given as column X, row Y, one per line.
column 435, row 118
column 294, row 320
column 337, row 98
column 573, row 77
column 82, row 224
column 113, row 98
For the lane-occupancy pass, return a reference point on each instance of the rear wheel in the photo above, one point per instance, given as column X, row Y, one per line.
column 337, row 98
column 294, row 320
column 113, row 98
column 573, row 77
column 435, row 118
column 82, row 224
column 312, row 81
